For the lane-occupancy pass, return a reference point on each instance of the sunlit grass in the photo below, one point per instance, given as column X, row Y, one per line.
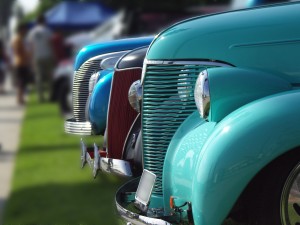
column 48, row 186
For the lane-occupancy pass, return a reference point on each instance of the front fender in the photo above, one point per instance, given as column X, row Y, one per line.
column 180, row 155
column 237, row 148
column 98, row 104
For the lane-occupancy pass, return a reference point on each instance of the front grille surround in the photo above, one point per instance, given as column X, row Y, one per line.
column 168, row 99
column 80, row 91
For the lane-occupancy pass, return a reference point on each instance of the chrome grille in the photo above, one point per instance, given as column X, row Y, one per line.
column 168, row 99
column 80, row 90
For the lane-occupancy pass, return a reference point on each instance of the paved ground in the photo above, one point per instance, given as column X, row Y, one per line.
column 11, row 116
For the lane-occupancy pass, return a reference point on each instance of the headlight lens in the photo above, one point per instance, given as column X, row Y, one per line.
column 135, row 95
column 202, row 95
column 93, row 81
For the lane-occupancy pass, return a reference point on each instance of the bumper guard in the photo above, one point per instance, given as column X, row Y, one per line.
column 98, row 163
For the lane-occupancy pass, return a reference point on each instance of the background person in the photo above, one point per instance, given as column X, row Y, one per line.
column 21, row 63
column 39, row 39
column 3, row 66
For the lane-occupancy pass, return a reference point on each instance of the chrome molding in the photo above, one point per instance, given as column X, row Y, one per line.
column 131, row 217
column 134, row 218
column 187, row 62
column 78, row 128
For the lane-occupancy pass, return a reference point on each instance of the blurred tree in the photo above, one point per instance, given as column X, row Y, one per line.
column 5, row 11
column 42, row 7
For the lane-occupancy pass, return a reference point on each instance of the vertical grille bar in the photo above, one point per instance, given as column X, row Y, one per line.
column 80, row 90
column 168, row 99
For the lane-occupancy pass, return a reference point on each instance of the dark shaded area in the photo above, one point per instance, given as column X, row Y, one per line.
column 2, row 204
column 5, row 11
column 4, row 156
column 39, row 115
column 41, row 148
column 167, row 5
column 66, row 205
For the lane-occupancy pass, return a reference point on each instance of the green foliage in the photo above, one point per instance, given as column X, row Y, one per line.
column 42, row 7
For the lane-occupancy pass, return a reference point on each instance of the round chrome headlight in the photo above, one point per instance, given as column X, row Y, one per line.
column 135, row 95
column 202, row 96
column 93, row 81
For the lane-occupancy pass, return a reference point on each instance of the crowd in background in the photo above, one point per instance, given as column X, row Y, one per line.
column 34, row 55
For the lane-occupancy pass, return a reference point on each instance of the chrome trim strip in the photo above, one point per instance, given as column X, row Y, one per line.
column 78, row 128
column 188, row 62
column 134, row 218
column 128, row 134
column 130, row 68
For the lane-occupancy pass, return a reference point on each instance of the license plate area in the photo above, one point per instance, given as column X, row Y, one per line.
column 144, row 190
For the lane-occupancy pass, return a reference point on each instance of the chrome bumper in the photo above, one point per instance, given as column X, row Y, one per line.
column 131, row 217
column 98, row 163
column 79, row 128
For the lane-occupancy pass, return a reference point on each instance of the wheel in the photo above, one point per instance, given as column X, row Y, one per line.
column 275, row 196
column 62, row 94
column 290, row 199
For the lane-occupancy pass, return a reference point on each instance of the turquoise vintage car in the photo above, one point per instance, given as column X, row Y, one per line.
column 221, row 122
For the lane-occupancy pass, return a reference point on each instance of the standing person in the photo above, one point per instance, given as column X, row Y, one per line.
column 3, row 61
column 39, row 40
column 21, row 62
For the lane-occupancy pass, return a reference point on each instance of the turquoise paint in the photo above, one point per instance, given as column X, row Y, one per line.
column 90, row 51
column 212, row 163
column 265, row 38
column 180, row 160
column 231, row 154
column 99, row 98
column 231, row 88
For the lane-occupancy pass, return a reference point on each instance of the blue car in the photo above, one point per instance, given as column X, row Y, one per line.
column 96, row 84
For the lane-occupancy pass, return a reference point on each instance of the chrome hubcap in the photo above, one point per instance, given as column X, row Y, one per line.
column 290, row 199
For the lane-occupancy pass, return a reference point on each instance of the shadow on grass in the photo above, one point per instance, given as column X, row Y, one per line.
column 41, row 148
column 65, row 204
column 2, row 204
column 6, row 155
column 39, row 115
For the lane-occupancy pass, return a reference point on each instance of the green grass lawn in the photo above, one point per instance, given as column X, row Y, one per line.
column 48, row 186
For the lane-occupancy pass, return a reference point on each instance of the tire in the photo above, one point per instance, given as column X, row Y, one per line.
column 62, row 94
column 275, row 194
